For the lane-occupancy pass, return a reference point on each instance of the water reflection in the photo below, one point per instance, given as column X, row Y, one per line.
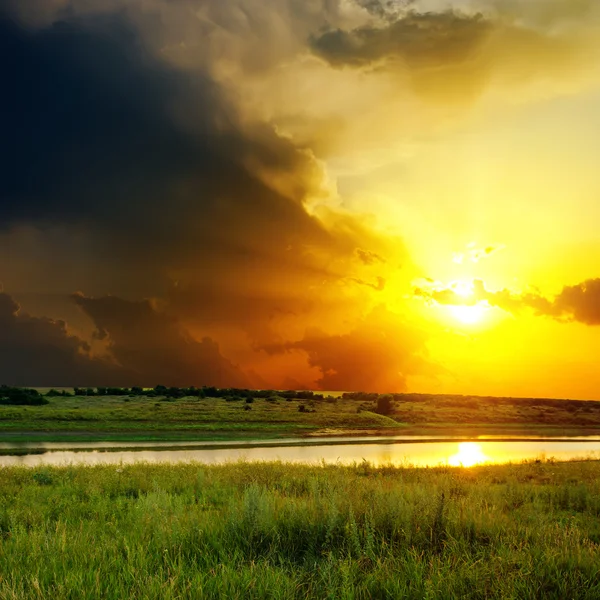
column 421, row 454
column 468, row 455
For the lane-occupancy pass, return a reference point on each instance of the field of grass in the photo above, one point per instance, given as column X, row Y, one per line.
column 123, row 418
column 284, row 531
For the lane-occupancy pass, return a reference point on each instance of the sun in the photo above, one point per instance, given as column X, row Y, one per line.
column 469, row 314
column 471, row 311
column 468, row 455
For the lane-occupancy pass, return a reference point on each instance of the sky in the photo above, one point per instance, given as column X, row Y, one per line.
column 377, row 195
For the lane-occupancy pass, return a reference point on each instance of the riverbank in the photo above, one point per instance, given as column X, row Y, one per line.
column 289, row 531
column 144, row 419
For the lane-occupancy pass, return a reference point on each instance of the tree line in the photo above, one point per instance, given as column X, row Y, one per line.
column 184, row 392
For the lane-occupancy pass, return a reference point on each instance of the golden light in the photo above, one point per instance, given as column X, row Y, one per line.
column 468, row 455
column 469, row 314
column 462, row 288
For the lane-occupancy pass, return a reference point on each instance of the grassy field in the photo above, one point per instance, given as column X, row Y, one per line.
column 141, row 418
column 121, row 418
column 282, row 531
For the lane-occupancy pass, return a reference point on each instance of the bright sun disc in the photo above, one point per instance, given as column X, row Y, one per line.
column 469, row 454
column 468, row 315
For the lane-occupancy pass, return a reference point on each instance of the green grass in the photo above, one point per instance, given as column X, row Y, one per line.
column 123, row 418
column 118, row 418
column 287, row 531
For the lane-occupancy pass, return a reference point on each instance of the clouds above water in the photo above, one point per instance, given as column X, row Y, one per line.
column 175, row 192
column 169, row 159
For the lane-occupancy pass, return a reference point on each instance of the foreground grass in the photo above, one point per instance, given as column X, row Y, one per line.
column 286, row 531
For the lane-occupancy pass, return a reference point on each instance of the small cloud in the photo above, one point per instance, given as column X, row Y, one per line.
column 379, row 286
column 368, row 257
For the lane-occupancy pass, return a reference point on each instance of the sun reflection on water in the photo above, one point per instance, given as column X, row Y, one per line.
column 468, row 455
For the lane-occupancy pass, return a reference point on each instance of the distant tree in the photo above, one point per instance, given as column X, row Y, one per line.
column 384, row 405
column 21, row 396
column 116, row 391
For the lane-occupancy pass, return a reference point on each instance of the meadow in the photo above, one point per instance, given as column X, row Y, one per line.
column 273, row 530
column 139, row 417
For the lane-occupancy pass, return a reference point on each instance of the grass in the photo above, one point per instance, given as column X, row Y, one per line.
column 118, row 418
column 284, row 531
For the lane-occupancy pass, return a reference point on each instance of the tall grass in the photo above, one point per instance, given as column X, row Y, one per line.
column 276, row 530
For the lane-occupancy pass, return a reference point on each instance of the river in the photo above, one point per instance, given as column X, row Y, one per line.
column 417, row 450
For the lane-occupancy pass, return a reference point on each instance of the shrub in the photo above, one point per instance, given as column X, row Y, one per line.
column 233, row 399
column 384, row 405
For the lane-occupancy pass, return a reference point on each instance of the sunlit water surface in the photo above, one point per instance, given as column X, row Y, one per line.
column 455, row 453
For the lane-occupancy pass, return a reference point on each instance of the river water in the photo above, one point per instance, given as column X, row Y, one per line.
column 417, row 450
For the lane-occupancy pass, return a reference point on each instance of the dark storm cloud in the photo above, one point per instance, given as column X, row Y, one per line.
column 146, row 348
column 42, row 352
column 158, row 182
column 90, row 142
column 154, row 346
column 91, row 136
column 149, row 165
column 85, row 129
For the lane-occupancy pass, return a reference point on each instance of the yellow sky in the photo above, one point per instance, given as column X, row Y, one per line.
column 513, row 167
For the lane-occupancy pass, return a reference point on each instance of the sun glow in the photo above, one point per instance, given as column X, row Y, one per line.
column 469, row 314
column 468, row 455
